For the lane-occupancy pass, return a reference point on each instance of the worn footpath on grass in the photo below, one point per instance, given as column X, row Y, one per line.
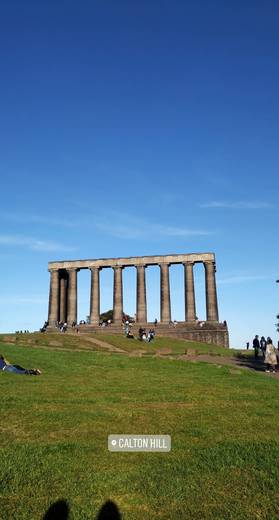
column 171, row 348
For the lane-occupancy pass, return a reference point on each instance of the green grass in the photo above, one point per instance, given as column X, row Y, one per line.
column 172, row 345
column 53, row 436
column 54, row 341
column 162, row 345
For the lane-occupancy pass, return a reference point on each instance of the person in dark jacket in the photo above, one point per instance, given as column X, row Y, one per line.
column 256, row 346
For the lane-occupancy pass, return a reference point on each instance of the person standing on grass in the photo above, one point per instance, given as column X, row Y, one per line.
column 256, row 346
column 263, row 345
column 270, row 356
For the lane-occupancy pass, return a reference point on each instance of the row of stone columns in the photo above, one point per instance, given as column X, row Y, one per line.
column 63, row 294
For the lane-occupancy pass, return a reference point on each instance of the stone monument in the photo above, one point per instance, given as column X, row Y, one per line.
column 64, row 287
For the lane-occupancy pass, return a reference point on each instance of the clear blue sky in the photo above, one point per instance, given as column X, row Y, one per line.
column 140, row 128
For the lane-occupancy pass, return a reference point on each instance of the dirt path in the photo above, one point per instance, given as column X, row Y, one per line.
column 56, row 345
column 247, row 364
column 103, row 344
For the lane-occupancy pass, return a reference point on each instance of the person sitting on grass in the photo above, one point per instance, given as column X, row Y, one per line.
column 270, row 356
column 17, row 369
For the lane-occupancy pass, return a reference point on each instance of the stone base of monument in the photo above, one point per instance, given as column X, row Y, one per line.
column 205, row 332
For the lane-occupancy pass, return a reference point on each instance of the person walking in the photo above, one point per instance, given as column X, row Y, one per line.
column 270, row 356
column 256, row 346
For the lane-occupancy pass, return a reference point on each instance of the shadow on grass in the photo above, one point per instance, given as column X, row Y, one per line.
column 60, row 510
column 251, row 362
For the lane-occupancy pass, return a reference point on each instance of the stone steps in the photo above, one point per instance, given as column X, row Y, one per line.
column 210, row 332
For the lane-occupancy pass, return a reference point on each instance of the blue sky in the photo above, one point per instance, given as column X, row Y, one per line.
column 140, row 128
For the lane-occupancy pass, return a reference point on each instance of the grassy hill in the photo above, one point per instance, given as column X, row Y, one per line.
column 160, row 345
column 53, row 433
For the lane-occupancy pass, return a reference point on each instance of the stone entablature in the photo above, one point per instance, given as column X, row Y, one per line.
column 132, row 261
column 63, row 287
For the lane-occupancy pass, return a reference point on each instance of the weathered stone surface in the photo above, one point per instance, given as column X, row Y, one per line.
column 190, row 305
column 141, row 294
column 54, row 298
column 133, row 261
column 72, row 296
column 95, row 296
column 117, row 295
column 211, row 293
column 165, row 294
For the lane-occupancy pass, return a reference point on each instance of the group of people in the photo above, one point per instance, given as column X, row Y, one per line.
column 105, row 323
column 62, row 326
column 144, row 336
column 268, row 351
column 6, row 366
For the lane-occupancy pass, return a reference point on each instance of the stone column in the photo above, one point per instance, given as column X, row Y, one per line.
column 72, row 296
column 165, row 294
column 190, row 304
column 117, row 295
column 211, row 293
column 141, row 294
column 95, row 296
column 63, row 298
column 53, row 313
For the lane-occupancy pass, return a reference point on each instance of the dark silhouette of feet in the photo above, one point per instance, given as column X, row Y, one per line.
column 58, row 511
column 109, row 511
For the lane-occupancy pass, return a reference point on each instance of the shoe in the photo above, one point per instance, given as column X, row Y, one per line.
column 273, row 372
column 267, row 370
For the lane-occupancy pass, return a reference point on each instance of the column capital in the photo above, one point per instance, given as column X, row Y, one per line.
column 209, row 262
column 190, row 262
column 141, row 268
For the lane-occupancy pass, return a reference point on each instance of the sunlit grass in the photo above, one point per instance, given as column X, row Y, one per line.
column 53, row 433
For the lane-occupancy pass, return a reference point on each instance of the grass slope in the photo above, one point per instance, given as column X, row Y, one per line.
column 174, row 345
column 163, row 345
column 54, row 428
